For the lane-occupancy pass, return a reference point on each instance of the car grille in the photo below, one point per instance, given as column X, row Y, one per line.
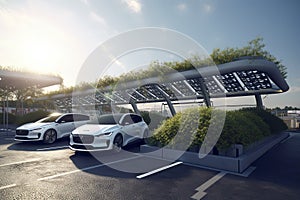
column 83, row 139
column 22, row 132
column 86, row 147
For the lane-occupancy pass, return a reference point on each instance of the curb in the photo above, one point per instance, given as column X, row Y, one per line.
column 236, row 165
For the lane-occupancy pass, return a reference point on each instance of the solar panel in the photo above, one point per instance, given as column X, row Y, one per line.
column 255, row 80
column 238, row 78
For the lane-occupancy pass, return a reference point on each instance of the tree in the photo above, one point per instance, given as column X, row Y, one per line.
column 254, row 48
column 19, row 95
column 25, row 94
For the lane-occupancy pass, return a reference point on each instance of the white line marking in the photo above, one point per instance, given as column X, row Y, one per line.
column 20, row 162
column 8, row 186
column 200, row 194
column 85, row 169
column 52, row 148
column 158, row 170
column 246, row 173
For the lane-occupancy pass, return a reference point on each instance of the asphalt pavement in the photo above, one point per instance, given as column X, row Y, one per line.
column 34, row 170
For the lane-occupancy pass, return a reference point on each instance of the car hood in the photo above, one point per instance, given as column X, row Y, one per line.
column 94, row 129
column 35, row 125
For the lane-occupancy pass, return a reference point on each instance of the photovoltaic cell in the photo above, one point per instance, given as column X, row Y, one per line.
column 255, row 80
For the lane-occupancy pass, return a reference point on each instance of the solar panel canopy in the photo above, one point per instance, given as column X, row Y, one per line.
column 251, row 76
column 20, row 80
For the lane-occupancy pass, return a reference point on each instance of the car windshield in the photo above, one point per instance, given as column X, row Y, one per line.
column 48, row 119
column 106, row 119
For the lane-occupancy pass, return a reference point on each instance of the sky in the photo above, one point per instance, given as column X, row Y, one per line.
column 57, row 36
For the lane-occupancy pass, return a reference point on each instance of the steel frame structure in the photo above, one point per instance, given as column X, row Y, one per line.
column 249, row 76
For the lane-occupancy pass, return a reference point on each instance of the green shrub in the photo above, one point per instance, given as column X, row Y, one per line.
column 164, row 133
column 31, row 117
column 153, row 119
column 242, row 128
column 11, row 118
column 190, row 127
column 275, row 123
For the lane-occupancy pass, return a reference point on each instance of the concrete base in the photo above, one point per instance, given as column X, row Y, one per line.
column 237, row 165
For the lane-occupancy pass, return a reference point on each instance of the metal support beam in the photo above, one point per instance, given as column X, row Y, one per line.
column 259, row 103
column 205, row 93
column 169, row 102
column 135, row 108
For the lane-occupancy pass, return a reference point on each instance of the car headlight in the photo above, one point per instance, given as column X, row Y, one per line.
column 36, row 129
column 106, row 134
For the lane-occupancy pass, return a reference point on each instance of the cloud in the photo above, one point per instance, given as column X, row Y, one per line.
column 181, row 7
column 86, row 2
column 208, row 8
column 3, row 2
column 134, row 5
column 97, row 18
column 294, row 89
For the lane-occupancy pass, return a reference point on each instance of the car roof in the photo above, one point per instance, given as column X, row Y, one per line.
column 69, row 114
column 118, row 114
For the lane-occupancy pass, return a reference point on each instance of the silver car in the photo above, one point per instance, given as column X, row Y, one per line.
column 51, row 128
column 109, row 132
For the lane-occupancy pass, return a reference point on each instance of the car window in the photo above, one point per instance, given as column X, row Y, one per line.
column 127, row 120
column 51, row 118
column 78, row 117
column 106, row 119
column 66, row 118
column 136, row 118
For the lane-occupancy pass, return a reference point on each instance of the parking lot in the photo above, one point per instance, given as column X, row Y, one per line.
column 38, row 171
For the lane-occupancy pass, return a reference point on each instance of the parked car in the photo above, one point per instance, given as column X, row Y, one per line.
column 49, row 129
column 109, row 132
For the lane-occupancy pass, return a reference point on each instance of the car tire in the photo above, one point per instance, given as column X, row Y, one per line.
column 49, row 136
column 118, row 143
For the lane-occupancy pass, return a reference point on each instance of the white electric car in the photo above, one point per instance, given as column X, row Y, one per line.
column 108, row 132
column 49, row 129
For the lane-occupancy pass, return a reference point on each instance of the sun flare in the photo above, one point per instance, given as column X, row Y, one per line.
column 39, row 54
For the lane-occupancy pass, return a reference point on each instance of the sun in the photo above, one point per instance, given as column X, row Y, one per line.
column 39, row 51
column 39, row 54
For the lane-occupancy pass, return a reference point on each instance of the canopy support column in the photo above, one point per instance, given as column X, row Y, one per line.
column 205, row 93
column 135, row 108
column 259, row 103
column 166, row 96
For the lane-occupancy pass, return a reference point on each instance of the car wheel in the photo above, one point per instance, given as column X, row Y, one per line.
column 118, row 143
column 49, row 136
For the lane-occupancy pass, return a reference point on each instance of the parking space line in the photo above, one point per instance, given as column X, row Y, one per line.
column 19, row 162
column 8, row 186
column 86, row 168
column 158, row 170
column 200, row 194
column 52, row 148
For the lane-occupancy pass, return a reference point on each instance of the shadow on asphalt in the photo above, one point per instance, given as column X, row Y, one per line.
column 281, row 165
column 125, row 164
column 84, row 160
column 35, row 145
column 6, row 137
